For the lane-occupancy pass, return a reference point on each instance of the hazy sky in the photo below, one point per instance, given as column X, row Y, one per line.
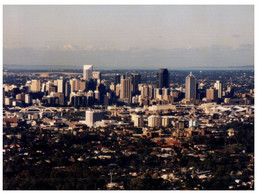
column 129, row 36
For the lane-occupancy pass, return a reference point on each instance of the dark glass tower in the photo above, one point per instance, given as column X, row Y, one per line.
column 117, row 79
column 162, row 78
column 135, row 80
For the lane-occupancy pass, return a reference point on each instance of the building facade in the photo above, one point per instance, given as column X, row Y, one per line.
column 87, row 72
column 218, row 86
column 92, row 116
column 190, row 87
column 126, row 90
column 162, row 78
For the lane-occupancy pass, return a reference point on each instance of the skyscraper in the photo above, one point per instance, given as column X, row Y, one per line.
column 126, row 89
column 61, row 85
column 87, row 72
column 67, row 91
column 212, row 94
column 74, row 84
column 35, row 85
column 135, row 80
column 218, row 86
column 190, row 87
column 92, row 116
column 117, row 79
column 162, row 78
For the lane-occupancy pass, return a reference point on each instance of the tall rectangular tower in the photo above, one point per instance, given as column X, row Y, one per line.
column 135, row 80
column 190, row 87
column 162, row 78
column 212, row 94
column 61, row 85
column 35, row 85
column 117, row 79
column 218, row 86
column 87, row 72
column 126, row 89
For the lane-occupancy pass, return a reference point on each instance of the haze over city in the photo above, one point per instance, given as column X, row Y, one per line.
column 127, row 98
column 129, row 36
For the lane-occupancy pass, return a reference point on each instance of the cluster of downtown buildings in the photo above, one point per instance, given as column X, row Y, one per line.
column 128, row 111
column 90, row 91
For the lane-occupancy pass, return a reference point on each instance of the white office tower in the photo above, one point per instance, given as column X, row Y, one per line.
column 126, row 88
column 137, row 120
column 43, row 87
column 87, row 72
column 61, row 86
column 190, row 87
column 28, row 99
column 218, row 86
column 154, row 121
column 92, row 116
column 35, row 85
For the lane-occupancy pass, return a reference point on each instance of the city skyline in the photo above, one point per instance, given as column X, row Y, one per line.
column 129, row 36
column 60, row 126
column 128, row 97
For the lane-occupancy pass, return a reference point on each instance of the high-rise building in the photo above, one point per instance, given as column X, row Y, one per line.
column 61, row 85
column 118, row 90
column 144, row 91
column 137, row 120
column 212, row 94
column 135, row 80
column 28, row 99
column 190, row 87
column 67, row 91
column 162, row 78
column 218, row 86
column 117, row 79
column 75, row 84
column 165, row 121
column 154, row 121
column 61, row 98
column 87, row 72
column 150, row 91
column 35, row 85
column 43, row 87
column 92, row 116
column 125, row 90
column 82, row 85
column 157, row 93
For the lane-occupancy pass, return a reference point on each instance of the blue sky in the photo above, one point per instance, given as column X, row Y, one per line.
column 129, row 36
